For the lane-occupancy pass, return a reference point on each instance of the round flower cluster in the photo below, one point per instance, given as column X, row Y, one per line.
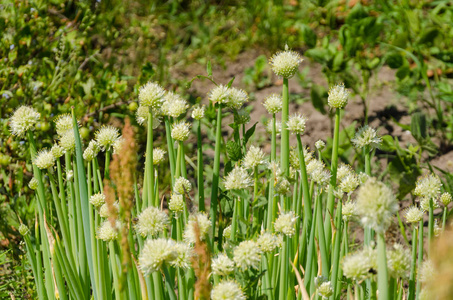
column 176, row 203
column 222, row 265
column 338, row 96
column 296, row 124
column 180, row 131
column 23, row 119
column 413, row 214
column 237, row 179
column 198, row 112
column 376, row 205
column 203, row 225
column 285, row 63
column 23, row 229
column 44, row 159
column 155, row 253
column 173, row 105
column 268, row 242
column 357, row 266
column 91, row 151
column 151, row 95
column 220, row 94
column 253, row 158
column 106, row 137
column 367, row 136
column 33, row 184
column 57, row 151
column 227, row 290
column 273, row 103
column 445, row 198
column 107, row 232
column 247, row 255
column 67, row 141
column 158, row 156
column 63, row 123
column 97, row 199
column 142, row 116
column 182, row 186
column 349, row 210
column 285, row 223
column 349, row 183
column 428, row 186
column 183, row 255
column 320, row 145
column 151, row 221
column 237, row 98
column 398, row 261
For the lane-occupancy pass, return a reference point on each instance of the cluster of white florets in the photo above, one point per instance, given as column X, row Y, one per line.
column 285, row 63
column 23, row 119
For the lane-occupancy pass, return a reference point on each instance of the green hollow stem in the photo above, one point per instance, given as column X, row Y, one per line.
column 444, row 217
column 411, row 292
column 255, row 211
column 149, row 157
column 171, row 148
column 284, row 268
column 430, row 225
column 284, row 151
column 200, row 179
column 216, row 173
column 383, row 285
column 169, row 283
column 420, row 256
column 108, row 154
column 311, row 250
column 270, row 204
column 333, row 178
column 322, row 238
column 234, row 222
column 337, row 249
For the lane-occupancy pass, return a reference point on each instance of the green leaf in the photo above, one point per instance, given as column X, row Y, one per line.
column 387, row 144
column 309, row 36
column 249, row 133
column 209, row 68
column 418, row 126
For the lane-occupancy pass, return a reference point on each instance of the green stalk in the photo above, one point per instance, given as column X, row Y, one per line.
column 61, row 187
column 420, row 255
column 411, row 295
column 169, row 283
column 234, row 222
column 337, row 249
column 444, row 217
column 383, row 285
column 115, row 269
column 171, row 149
column 83, row 190
column 311, row 250
column 108, row 154
column 255, row 211
column 200, row 178
column 149, row 156
column 216, row 173
column 322, row 238
column 284, row 152
column 283, row 287
column 31, row 255
column 333, row 178
column 430, row 226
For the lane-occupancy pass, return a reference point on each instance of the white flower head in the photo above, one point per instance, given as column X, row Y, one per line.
column 67, row 141
column 23, row 119
column 343, row 171
column 57, row 151
column 285, row 63
column 176, row 203
column 227, row 290
column 227, row 232
column 158, row 156
column 338, row 96
column 247, row 255
column 376, row 204
column 445, row 198
column 253, row 158
column 203, row 225
column 367, row 136
column 238, row 179
column 184, row 254
column 174, row 105
column 180, row 131
column 198, row 112
column 117, row 145
column 97, row 200
column 182, row 185
column 427, row 271
column 107, row 232
column 237, row 98
column 285, row 223
column 220, row 94
column 428, row 186
column 320, row 174
column 273, row 103
column 63, row 123
column 155, row 253
column 413, row 214
column 398, row 261
column 151, row 95
column 151, row 221
column 320, row 145
column 325, row 290
column 33, row 184
column 424, row 204
column 357, row 266
column 23, row 229
column 268, row 242
column 142, row 116
column 349, row 183
column 349, row 210
column 44, row 159
column 296, row 124
column 222, row 265
column 91, row 151
column 106, row 137
column 104, row 211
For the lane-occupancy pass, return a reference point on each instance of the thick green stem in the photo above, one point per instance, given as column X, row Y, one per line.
column 430, row 226
column 200, row 179
column 171, row 149
column 283, row 287
column 420, row 255
column 411, row 294
column 216, row 173
column 383, row 286
column 337, row 250
column 234, row 222
column 333, row 178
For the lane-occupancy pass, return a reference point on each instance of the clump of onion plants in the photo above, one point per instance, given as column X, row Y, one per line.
column 277, row 224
